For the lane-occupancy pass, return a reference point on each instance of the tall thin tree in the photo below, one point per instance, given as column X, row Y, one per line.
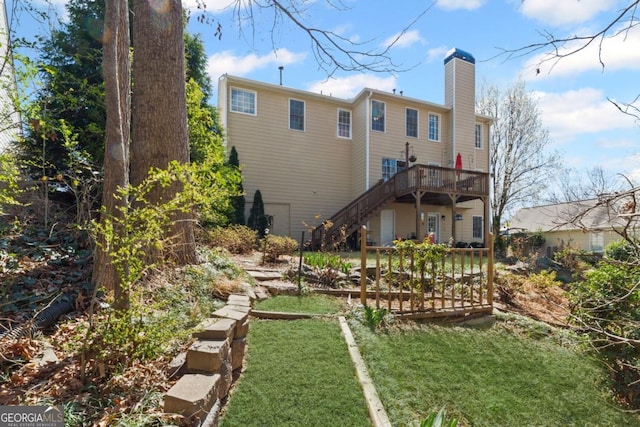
column 117, row 78
column 159, row 125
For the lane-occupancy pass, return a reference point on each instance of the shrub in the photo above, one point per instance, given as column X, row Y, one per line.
column 622, row 250
column 275, row 246
column 237, row 239
column 257, row 219
column 576, row 260
column 606, row 305
column 544, row 280
column 537, row 240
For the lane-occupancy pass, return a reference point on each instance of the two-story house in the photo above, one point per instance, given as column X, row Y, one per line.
column 404, row 167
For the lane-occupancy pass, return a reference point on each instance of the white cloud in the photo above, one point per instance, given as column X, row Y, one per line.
column 617, row 53
column 404, row 40
column 571, row 114
column 437, row 54
column 459, row 4
column 563, row 12
column 616, row 143
column 347, row 87
column 626, row 165
column 226, row 62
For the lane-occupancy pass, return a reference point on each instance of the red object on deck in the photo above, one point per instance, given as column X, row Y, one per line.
column 459, row 161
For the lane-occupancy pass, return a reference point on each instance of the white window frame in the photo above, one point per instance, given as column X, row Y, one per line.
column 438, row 123
column 384, row 115
column 596, row 241
column 406, row 122
column 479, row 136
column 480, row 234
column 242, row 108
column 304, row 114
column 391, row 166
column 341, row 110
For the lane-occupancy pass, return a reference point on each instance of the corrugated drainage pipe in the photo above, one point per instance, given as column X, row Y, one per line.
column 42, row 320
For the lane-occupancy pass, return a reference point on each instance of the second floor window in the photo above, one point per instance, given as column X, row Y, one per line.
column 478, row 135
column 344, row 124
column 434, row 127
column 296, row 114
column 411, row 122
column 377, row 115
column 243, row 101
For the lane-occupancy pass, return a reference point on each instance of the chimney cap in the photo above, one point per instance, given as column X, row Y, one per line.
column 460, row 54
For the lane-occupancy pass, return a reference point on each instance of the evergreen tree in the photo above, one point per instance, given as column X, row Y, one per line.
column 257, row 219
column 70, row 64
column 237, row 202
column 73, row 89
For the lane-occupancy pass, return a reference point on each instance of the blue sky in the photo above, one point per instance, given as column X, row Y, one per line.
column 584, row 127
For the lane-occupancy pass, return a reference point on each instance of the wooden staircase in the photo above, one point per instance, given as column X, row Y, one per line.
column 440, row 186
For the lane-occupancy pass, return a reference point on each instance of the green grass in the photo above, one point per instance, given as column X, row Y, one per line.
column 314, row 304
column 487, row 377
column 298, row 373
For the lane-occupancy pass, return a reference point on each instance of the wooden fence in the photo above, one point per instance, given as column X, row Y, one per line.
column 421, row 280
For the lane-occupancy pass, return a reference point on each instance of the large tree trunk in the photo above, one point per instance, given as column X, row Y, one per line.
column 159, row 121
column 117, row 80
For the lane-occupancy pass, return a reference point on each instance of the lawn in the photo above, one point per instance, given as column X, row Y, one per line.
column 311, row 304
column 298, row 373
column 487, row 377
column 515, row 372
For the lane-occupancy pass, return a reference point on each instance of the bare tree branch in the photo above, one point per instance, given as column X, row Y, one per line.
column 331, row 50
column 554, row 49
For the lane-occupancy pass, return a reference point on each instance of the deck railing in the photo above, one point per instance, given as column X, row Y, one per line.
column 427, row 280
column 426, row 178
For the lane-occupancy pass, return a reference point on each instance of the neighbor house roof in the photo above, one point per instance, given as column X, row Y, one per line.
column 583, row 214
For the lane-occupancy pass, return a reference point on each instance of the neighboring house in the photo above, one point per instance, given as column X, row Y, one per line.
column 581, row 225
column 9, row 117
column 316, row 157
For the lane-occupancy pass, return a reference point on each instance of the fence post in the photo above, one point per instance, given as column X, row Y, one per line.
column 300, row 264
column 363, row 265
column 490, row 272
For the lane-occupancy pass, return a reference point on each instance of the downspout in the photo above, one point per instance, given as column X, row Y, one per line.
column 367, row 165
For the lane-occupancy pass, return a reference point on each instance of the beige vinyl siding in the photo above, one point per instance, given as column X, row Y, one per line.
column 464, row 228
column 460, row 95
column 358, row 160
column 576, row 239
column 392, row 143
column 307, row 176
column 311, row 167
column 482, row 154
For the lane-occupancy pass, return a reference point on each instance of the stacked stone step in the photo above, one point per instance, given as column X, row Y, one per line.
column 210, row 362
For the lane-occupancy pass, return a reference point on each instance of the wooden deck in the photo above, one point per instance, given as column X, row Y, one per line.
column 433, row 185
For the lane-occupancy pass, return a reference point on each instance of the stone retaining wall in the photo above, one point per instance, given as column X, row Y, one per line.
column 210, row 363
